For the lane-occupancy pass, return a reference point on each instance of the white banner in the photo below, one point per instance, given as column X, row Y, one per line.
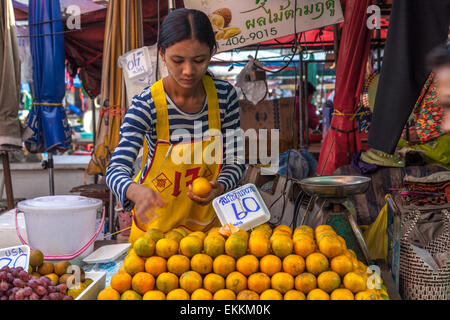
column 239, row 23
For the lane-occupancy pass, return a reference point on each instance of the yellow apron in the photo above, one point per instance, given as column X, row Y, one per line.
column 170, row 176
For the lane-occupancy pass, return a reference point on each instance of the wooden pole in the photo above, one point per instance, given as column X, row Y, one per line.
column 8, row 181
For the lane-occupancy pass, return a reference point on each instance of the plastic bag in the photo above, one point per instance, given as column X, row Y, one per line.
column 376, row 235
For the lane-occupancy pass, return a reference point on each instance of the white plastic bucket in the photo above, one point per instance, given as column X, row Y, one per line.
column 61, row 227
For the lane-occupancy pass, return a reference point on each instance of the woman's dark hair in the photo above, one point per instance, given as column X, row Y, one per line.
column 183, row 24
column 439, row 56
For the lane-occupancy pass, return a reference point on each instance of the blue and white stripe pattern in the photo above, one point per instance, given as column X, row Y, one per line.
column 140, row 121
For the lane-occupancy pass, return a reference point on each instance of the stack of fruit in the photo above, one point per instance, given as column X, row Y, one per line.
column 230, row 264
column 58, row 273
column 17, row 284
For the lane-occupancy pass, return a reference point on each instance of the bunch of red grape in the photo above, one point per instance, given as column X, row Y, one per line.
column 17, row 284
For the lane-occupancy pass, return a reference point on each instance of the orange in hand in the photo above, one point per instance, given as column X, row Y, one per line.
column 201, row 187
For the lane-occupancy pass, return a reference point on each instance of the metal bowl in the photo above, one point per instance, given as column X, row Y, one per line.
column 335, row 186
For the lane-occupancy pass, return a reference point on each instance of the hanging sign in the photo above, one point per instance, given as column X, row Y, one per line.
column 238, row 23
column 15, row 257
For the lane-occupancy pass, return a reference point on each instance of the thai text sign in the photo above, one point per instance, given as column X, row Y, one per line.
column 238, row 23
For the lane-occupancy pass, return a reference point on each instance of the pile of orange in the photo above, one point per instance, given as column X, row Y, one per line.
column 233, row 264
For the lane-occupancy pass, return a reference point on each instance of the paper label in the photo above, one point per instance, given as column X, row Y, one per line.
column 15, row 257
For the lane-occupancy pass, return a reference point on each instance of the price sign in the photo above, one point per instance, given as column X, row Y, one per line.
column 14, row 257
column 242, row 207
column 135, row 64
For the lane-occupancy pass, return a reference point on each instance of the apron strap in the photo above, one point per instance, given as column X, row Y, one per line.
column 213, row 103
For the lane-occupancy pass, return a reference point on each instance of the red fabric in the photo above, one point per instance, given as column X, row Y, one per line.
column 342, row 140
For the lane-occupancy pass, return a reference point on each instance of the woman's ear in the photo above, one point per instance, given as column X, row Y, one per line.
column 161, row 53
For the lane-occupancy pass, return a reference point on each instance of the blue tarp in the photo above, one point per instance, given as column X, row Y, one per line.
column 47, row 119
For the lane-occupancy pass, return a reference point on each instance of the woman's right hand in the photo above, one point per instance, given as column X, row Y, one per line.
column 146, row 200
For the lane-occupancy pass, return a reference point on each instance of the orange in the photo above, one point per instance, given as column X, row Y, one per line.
column 277, row 234
column 108, row 294
column 201, row 187
column 304, row 245
column 282, row 281
column 223, row 265
column 258, row 282
column 214, row 245
column 202, row 263
column 365, row 295
column 134, row 264
column 247, row 264
column 294, row 295
column 283, row 227
column 293, row 264
column 191, row 245
column 282, row 246
column 178, row 264
column 351, row 254
column 259, row 245
column 316, row 263
column 53, row 277
column 191, row 281
column 130, row 295
column 267, row 229
column 199, row 234
column 143, row 282
column 166, row 247
column 323, row 228
column 328, row 281
column 144, row 247
column 259, row 233
column 236, row 246
column 236, row 281
column 305, row 282
column 201, row 294
column 344, row 245
column 154, row 234
column 242, row 234
column 331, row 246
column 175, row 235
column 342, row 294
column 166, row 282
column 182, row 231
column 317, row 294
column 213, row 282
column 121, row 282
column 341, row 265
column 355, row 282
column 271, row 294
column 178, row 294
column 227, row 229
column 154, row 295
column 270, row 264
column 155, row 265
column 247, row 295
column 224, row 294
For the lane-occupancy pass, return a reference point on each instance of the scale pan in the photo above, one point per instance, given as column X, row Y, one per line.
column 335, row 186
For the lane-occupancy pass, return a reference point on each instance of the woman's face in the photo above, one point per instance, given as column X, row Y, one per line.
column 187, row 62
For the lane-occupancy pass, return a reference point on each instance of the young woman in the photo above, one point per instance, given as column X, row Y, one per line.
column 187, row 101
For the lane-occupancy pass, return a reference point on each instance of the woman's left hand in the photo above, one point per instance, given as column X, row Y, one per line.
column 217, row 189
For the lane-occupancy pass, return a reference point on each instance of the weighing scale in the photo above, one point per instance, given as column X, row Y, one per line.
column 329, row 204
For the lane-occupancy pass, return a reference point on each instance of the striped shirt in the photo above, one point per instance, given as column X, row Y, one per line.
column 140, row 121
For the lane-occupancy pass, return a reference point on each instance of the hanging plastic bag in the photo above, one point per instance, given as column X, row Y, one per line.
column 376, row 235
